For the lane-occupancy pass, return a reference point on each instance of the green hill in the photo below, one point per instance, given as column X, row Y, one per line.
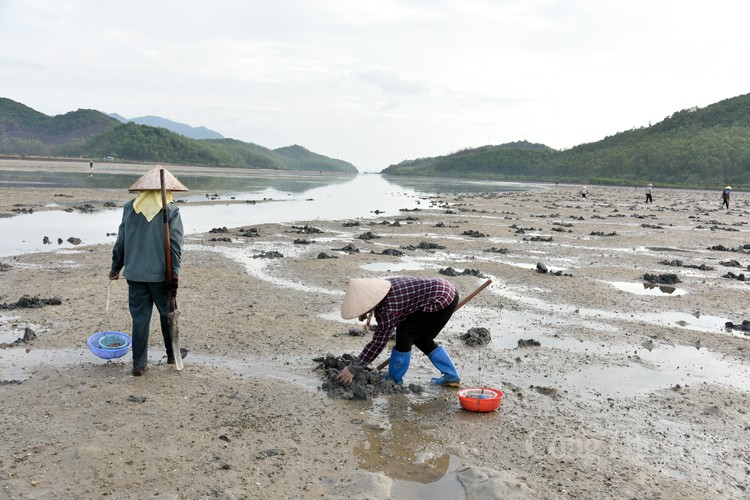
column 697, row 147
column 92, row 134
column 27, row 131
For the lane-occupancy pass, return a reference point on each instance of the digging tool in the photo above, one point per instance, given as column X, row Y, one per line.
column 174, row 313
column 460, row 304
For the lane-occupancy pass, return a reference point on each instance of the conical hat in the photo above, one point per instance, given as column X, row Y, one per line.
column 362, row 295
column 728, row 187
column 152, row 180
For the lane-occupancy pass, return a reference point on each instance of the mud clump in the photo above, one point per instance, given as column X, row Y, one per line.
column 366, row 384
column 476, row 337
column 272, row 254
column 662, row 279
column 29, row 302
column 528, row 343
column 449, row 271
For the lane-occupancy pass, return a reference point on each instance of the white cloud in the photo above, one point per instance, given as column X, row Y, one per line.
column 375, row 83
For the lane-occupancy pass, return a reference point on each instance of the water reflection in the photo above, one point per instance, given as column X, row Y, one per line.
column 303, row 197
column 444, row 185
column 237, row 182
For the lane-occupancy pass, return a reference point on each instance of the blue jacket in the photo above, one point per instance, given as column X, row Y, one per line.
column 140, row 245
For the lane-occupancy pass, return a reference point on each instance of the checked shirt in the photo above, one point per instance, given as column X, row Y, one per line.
column 406, row 296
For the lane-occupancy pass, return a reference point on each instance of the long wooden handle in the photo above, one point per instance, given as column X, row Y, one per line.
column 460, row 304
column 165, row 218
column 473, row 294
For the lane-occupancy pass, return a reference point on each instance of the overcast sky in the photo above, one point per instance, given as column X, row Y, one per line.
column 375, row 82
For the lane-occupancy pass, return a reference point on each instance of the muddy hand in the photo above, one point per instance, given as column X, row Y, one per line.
column 114, row 275
column 346, row 376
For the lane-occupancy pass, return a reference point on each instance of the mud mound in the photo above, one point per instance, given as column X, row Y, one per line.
column 477, row 337
column 366, row 384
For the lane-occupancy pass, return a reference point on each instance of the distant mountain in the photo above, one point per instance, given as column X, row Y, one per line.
column 92, row 134
column 176, row 127
column 696, row 147
column 20, row 124
column 299, row 158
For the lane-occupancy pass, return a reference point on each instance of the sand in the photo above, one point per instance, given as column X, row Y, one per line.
column 627, row 395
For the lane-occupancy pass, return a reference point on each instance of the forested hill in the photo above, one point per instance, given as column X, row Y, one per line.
column 696, row 147
column 92, row 134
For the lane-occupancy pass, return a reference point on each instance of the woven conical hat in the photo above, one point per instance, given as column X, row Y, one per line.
column 152, row 180
column 728, row 187
column 362, row 295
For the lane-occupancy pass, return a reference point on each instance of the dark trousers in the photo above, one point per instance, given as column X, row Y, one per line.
column 421, row 328
column 142, row 297
column 649, row 199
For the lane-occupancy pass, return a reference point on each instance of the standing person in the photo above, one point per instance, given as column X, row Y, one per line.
column 584, row 192
column 140, row 249
column 649, row 199
column 725, row 196
column 416, row 308
column 91, row 164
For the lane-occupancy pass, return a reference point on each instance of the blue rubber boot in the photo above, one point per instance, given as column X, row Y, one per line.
column 443, row 362
column 398, row 365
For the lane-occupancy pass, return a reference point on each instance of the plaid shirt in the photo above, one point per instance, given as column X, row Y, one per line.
column 406, row 296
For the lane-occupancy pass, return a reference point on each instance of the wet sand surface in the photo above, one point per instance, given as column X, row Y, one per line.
column 635, row 389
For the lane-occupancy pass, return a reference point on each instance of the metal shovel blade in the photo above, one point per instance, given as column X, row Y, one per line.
column 175, row 333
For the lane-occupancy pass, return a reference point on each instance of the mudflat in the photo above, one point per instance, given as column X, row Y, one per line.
column 621, row 379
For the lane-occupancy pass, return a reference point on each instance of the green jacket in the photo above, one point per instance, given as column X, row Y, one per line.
column 140, row 245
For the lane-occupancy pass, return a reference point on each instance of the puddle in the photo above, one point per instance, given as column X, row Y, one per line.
column 650, row 366
column 17, row 363
column 404, row 265
column 401, row 447
column 599, row 318
column 10, row 331
column 10, row 336
column 647, row 288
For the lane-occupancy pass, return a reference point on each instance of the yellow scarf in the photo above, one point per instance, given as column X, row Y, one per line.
column 148, row 203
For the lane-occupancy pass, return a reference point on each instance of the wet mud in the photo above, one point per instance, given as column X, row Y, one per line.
column 367, row 384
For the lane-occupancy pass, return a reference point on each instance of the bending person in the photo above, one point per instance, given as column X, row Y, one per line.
column 416, row 308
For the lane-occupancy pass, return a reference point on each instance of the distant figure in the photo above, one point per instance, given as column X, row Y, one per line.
column 91, row 164
column 649, row 199
column 584, row 192
column 725, row 196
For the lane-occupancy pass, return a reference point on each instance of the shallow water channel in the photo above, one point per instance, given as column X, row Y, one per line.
column 329, row 197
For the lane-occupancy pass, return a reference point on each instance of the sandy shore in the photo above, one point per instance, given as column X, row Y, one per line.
column 633, row 392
